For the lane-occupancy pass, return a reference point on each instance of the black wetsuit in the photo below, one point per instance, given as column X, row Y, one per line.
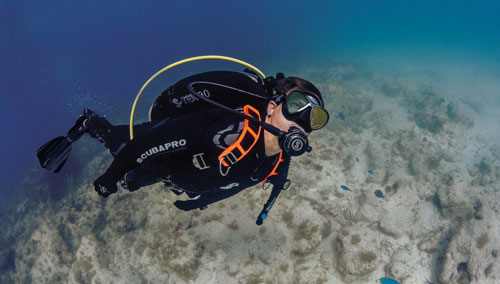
column 182, row 143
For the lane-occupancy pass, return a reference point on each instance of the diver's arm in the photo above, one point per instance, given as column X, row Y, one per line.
column 279, row 183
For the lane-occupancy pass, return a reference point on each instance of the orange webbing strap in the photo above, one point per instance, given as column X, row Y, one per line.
column 273, row 172
column 237, row 151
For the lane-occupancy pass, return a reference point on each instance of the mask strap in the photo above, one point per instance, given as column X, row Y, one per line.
column 279, row 98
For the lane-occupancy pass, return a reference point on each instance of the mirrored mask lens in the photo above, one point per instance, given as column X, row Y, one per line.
column 319, row 117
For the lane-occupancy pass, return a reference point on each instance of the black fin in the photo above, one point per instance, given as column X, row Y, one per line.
column 53, row 154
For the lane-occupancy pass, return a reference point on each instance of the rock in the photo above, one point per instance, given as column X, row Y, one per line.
column 254, row 269
column 358, row 252
column 390, row 224
column 126, row 215
column 470, row 253
column 453, row 200
column 428, row 245
column 310, row 272
column 456, row 115
column 181, row 254
column 399, row 270
column 473, row 171
column 308, row 227
column 392, row 89
column 376, row 160
column 486, row 171
column 486, row 166
column 406, row 208
column 427, row 110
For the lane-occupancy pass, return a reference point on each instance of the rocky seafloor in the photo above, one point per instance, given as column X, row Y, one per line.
column 434, row 219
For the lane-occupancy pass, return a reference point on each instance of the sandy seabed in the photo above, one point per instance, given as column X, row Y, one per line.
column 435, row 217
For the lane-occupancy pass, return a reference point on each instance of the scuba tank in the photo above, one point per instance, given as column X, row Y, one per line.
column 177, row 100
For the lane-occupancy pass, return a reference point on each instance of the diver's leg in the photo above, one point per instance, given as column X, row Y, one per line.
column 112, row 137
column 118, row 136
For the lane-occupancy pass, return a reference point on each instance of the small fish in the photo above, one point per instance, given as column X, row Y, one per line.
column 345, row 188
column 451, row 276
column 370, row 172
column 341, row 116
column 387, row 280
column 379, row 193
column 357, row 159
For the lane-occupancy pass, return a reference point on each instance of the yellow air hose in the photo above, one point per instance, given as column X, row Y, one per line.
column 177, row 64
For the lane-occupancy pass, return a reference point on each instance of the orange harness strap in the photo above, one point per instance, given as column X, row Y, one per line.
column 245, row 142
column 273, row 172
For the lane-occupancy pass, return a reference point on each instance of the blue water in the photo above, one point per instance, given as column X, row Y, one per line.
column 58, row 56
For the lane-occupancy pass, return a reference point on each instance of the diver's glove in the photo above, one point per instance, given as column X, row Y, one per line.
column 103, row 187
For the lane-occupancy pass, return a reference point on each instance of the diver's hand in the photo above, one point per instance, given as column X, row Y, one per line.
column 103, row 187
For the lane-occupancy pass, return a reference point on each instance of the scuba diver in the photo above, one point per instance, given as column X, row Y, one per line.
column 209, row 135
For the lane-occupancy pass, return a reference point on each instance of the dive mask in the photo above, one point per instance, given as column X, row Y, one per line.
column 305, row 110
